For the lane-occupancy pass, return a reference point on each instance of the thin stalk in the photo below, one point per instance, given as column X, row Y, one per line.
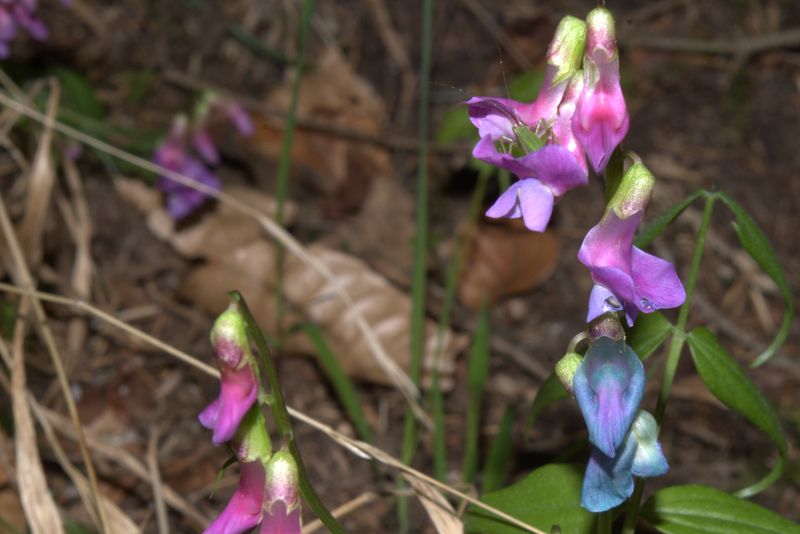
column 451, row 278
column 604, row 521
column 281, row 416
column 419, row 279
column 285, row 161
column 675, row 349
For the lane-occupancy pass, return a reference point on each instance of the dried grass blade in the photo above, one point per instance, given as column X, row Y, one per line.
column 39, row 506
column 441, row 512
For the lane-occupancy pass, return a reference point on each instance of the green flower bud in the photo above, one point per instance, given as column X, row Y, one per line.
column 566, row 48
column 634, row 191
column 252, row 437
column 566, row 368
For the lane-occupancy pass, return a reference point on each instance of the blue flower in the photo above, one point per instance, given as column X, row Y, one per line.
column 608, row 481
column 609, row 385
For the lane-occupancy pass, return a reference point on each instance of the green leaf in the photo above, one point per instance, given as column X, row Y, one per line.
column 498, row 461
column 341, row 383
column 695, row 509
column 648, row 333
column 657, row 226
column 549, row 392
column 760, row 249
column 79, row 94
column 726, row 380
column 549, row 496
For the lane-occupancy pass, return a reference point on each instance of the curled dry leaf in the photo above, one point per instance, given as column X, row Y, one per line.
column 217, row 232
column 310, row 297
column 504, row 258
column 336, row 165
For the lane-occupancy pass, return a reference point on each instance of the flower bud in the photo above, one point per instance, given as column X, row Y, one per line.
column 566, row 368
column 649, row 460
column 566, row 48
column 634, row 191
column 601, row 117
column 606, row 325
column 238, row 377
column 282, row 506
column 252, row 438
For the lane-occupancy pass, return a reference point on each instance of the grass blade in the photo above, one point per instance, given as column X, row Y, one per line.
column 498, row 462
column 478, row 370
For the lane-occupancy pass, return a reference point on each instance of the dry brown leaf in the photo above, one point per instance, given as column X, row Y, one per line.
column 348, row 100
column 217, row 232
column 441, row 512
column 383, row 231
column 385, row 308
column 503, row 259
column 40, row 508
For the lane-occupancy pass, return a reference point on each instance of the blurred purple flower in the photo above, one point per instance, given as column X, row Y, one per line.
column 601, row 118
column 244, row 510
column 608, row 386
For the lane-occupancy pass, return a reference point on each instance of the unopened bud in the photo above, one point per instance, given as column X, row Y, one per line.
column 566, row 48
column 634, row 191
column 252, row 437
column 282, row 507
column 229, row 337
column 566, row 368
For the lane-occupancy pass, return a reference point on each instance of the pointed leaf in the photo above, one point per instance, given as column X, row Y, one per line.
column 657, row 226
column 694, row 509
column 549, row 496
column 760, row 249
column 726, row 380
column 648, row 333
column 498, row 461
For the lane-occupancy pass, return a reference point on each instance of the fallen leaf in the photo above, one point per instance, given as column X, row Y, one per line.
column 504, row 258
column 387, row 310
column 332, row 93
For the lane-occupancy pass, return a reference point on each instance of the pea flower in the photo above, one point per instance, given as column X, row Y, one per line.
column 608, row 480
column 608, row 385
column 244, row 510
column 282, row 506
column 601, row 117
column 626, row 277
column 18, row 14
column 238, row 381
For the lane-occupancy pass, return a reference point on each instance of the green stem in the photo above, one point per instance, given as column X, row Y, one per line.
column 419, row 278
column 675, row 348
column 281, row 416
column 285, row 161
column 604, row 521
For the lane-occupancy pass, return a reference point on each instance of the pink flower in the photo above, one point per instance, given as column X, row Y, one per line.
column 601, row 117
column 244, row 510
column 282, row 510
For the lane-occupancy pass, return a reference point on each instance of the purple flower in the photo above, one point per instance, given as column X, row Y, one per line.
column 553, row 171
column 182, row 200
column 239, row 118
column 244, row 510
column 608, row 386
column 282, row 509
column 637, row 280
column 204, row 146
column 238, row 382
column 601, row 118
column 608, row 481
column 18, row 14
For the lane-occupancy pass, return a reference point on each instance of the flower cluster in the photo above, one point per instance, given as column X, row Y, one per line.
column 267, row 491
column 189, row 150
column 16, row 15
column 578, row 121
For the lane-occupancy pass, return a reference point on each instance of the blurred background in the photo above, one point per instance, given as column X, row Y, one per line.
column 713, row 90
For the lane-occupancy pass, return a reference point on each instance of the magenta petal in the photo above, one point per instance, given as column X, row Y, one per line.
column 601, row 301
column 496, row 117
column 204, row 145
column 657, row 284
column 238, row 392
column 486, row 151
column 527, row 198
column 556, row 167
column 278, row 521
column 243, row 511
column 600, row 122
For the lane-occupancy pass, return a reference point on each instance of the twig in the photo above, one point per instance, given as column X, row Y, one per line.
column 155, row 481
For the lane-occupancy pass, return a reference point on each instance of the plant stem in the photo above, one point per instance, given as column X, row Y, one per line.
column 281, row 416
column 675, row 349
column 604, row 521
column 284, row 164
column 419, row 273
